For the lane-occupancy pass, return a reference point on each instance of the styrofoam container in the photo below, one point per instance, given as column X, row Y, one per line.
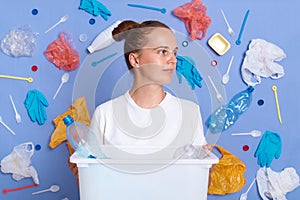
column 181, row 179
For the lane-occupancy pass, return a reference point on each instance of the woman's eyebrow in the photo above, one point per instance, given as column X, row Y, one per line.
column 164, row 47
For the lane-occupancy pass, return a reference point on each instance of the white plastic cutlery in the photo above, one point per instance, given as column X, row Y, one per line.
column 254, row 133
column 63, row 19
column 230, row 30
column 64, row 79
column 17, row 115
column 9, row 129
column 53, row 188
column 225, row 77
column 219, row 96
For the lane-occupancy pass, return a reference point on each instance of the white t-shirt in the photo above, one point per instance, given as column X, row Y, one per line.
column 174, row 122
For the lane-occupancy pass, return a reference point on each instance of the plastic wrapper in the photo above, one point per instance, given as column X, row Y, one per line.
column 228, row 175
column 62, row 53
column 19, row 42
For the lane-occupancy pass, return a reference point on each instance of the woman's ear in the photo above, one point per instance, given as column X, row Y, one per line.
column 133, row 59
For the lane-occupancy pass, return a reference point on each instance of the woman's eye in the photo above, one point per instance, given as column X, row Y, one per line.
column 163, row 52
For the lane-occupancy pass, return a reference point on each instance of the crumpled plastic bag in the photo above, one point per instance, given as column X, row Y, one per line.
column 193, row 14
column 19, row 42
column 62, row 53
column 18, row 163
column 260, row 61
column 275, row 185
column 79, row 112
column 228, row 175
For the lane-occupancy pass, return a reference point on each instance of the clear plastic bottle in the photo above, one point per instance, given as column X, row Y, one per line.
column 104, row 39
column 82, row 139
column 226, row 115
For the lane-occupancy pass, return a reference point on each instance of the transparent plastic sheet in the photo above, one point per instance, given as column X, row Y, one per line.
column 19, row 42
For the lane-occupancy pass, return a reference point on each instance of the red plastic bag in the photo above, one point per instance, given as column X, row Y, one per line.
column 62, row 53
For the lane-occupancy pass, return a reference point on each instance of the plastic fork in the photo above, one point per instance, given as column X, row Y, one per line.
column 230, row 30
column 63, row 19
column 18, row 116
column 219, row 96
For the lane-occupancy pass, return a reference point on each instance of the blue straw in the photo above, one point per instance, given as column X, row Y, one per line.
column 238, row 41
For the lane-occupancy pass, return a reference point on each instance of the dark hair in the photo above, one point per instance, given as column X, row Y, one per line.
column 135, row 35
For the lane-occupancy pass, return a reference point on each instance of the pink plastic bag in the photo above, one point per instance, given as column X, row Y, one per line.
column 62, row 53
column 193, row 14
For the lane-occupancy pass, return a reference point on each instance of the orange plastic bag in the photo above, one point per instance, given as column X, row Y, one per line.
column 228, row 175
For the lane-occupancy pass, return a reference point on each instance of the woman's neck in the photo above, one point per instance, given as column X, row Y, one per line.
column 147, row 96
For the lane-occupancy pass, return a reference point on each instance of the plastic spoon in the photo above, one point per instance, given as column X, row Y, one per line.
column 230, row 30
column 219, row 96
column 17, row 78
column 244, row 196
column 225, row 77
column 53, row 188
column 64, row 79
column 63, row 19
column 17, row 115
column 162, row 10
column 9, row 129
column 254, row 133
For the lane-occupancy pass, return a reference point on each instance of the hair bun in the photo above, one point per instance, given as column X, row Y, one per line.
column 119, row 33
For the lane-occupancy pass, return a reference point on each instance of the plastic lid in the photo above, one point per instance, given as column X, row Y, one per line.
column 68, row 120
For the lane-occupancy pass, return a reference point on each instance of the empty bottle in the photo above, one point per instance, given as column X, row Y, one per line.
column 104, row 39
column 82, row 139
column 226, row 115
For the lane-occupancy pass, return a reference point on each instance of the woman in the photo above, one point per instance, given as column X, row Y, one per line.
column 146, row 114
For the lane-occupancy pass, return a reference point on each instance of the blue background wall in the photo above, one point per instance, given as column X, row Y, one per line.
column 275, row 21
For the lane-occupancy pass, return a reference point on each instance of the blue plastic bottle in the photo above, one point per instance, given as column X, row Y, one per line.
column 226, row 115
column 82, row 139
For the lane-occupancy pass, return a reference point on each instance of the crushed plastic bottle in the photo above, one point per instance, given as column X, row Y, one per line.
column 82, row 139
column 225, row 116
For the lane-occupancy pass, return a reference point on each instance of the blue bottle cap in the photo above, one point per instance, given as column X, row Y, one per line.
column 68, row 120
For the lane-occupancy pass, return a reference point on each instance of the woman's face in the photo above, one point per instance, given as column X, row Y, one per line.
column 157, row 60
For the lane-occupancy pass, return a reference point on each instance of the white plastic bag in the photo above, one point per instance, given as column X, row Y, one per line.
column 18, row 163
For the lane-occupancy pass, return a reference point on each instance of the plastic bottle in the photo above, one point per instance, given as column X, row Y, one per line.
column 226, row 115
column 82, row 139
column 104, row 39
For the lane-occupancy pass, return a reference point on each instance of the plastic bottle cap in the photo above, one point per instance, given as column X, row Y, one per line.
column 82, row 37
column 68, row 120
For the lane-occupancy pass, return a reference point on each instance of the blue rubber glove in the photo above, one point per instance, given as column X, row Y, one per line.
column 35, row 103
column 186, row 67
column 268, row 148
column 95, row 8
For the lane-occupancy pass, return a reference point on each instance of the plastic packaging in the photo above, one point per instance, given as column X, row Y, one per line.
column 82, row 139
column 19, row 42
column 226, row 115
column 104, row 39
column 19, row 164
